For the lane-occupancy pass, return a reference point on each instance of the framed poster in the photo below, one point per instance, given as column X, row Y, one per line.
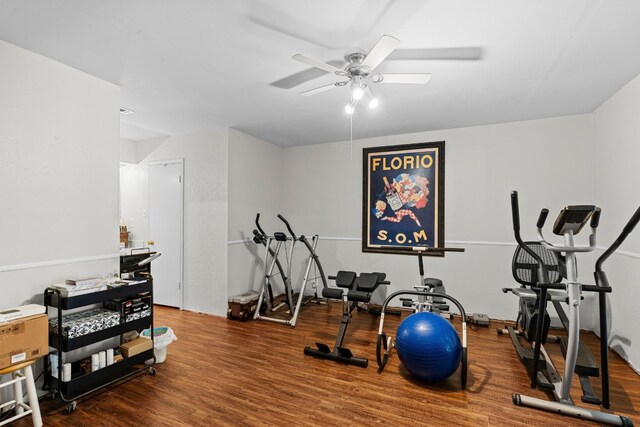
column 403, row 198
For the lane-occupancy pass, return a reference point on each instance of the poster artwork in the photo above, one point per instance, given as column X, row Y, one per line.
column 403, row 197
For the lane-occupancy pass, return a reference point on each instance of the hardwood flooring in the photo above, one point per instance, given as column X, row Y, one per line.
column 225, row 372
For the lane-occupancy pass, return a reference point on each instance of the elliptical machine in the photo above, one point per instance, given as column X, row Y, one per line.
column 260, row 237
column 539, row 365
column 295, row 300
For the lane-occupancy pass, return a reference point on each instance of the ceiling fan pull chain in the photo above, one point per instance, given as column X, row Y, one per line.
column 351, row 135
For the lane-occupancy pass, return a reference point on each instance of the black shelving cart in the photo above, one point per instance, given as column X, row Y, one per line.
column 82, row 383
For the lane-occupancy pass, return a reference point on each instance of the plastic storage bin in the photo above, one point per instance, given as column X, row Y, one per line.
column 243, row 306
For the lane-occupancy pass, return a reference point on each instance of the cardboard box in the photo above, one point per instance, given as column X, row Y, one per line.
column 23, row 339
column 9, row 314
column 136, row 346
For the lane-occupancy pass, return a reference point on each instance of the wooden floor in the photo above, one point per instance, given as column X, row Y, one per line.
column 224, row 372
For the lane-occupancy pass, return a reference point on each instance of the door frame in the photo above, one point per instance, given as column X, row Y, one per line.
column 181, row 163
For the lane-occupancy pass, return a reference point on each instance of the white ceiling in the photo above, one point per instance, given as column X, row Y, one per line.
column 186, row 66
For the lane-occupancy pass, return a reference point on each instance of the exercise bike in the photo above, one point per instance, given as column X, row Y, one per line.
column 431, row 297
column 543, row 277
column 428, row 286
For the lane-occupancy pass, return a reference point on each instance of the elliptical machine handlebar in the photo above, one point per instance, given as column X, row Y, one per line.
column 258, row 225
column 288, row 227
column 595, row 218
column 632, row 222
column 542, row 218
column 568, row 249
column 515, row 215
column 628, row 228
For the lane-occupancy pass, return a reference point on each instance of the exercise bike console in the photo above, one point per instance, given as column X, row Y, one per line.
column 574, row 218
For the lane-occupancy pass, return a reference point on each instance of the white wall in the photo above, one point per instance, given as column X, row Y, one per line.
column 205, row 211
column 256, row 173
column 616, row 126
column 548, row 161
column 134, row 188
column 134, row 202
column 128, row 151
column 59, row 153
column 254, row 177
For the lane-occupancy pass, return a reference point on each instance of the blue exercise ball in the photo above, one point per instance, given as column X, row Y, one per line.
column 428, row 346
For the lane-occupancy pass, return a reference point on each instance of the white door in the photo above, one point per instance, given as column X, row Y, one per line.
column 165, row 229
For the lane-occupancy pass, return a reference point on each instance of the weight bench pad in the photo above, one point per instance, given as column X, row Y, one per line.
column 359, row 296
column 334, row 293
column 368, row 282
column 345, row 279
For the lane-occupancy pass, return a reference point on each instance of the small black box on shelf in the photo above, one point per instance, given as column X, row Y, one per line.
column 127, row 306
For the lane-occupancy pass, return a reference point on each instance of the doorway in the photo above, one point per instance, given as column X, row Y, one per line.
column 166, row 230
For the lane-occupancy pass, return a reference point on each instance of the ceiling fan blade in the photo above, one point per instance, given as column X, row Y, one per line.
column 319, row 89
column 415, row 79
column 318, row 64
column 380, row 51
column 303, row 76
column 454, row 53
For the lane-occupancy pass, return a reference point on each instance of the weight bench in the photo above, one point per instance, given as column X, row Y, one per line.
column 351, row 290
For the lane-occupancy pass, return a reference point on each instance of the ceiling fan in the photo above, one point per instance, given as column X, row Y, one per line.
column 359, row 70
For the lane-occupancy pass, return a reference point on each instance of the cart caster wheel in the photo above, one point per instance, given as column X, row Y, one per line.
column 71, row 407
column 152, row 371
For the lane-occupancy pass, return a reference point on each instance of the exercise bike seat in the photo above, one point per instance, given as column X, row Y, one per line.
column 433, row 282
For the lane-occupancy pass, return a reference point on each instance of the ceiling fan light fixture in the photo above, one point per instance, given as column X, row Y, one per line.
column 360, row 73
column 357, row 93
column 357, row 88
column 350, row 108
